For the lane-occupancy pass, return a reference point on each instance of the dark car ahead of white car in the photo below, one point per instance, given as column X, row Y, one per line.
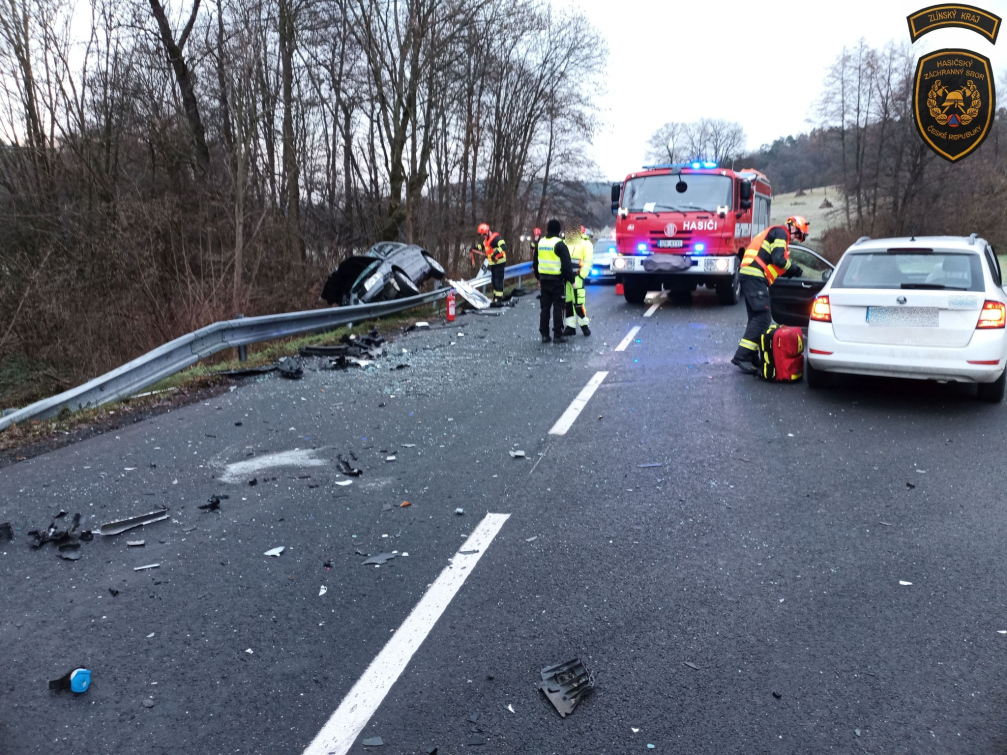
column 389, row 270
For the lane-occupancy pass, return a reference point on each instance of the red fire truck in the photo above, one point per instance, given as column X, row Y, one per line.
column 686, row 225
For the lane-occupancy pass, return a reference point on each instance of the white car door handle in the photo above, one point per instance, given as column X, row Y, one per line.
column 805, row 285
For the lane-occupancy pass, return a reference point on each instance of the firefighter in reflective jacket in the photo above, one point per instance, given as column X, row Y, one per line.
column 582, row 257
column 766, row 259
column 495, row 249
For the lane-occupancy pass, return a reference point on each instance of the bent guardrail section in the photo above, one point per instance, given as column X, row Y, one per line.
column 185, row 351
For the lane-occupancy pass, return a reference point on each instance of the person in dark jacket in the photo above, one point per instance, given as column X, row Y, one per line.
column 553, row 269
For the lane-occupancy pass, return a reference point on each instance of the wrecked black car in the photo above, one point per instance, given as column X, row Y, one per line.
column 389, row 270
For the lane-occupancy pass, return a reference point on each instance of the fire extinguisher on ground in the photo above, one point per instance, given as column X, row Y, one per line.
column 451, row 306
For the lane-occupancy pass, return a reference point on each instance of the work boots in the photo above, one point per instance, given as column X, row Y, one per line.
column 586, row 330
column 745, row 365
column 559, row 338
column 546, row 339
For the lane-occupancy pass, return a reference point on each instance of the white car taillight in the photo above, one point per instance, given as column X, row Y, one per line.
column 993, row 315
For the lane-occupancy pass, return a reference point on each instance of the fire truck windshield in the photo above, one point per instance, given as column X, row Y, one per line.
column 701, row 192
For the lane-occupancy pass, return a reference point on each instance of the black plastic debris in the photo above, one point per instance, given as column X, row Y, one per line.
column 910, row 486
column 70, row 551
column 379, row 559
column 474, row 717
column 290, row 368
column 348, row 469
column 373, row 742
column 121, row 525
column 6, row 532
column 212, row 505
column 243, row 372
column 431, row 751
column 475, row 740
column 565, row 684
column 777, row 695
column 113, row 592
column 253, row 482
column 328, row 563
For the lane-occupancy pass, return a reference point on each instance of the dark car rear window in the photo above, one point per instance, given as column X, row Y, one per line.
column 952, row 271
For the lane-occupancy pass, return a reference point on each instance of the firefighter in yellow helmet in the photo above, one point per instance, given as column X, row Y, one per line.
column 766, row 259
column 495, row 249
column 582, row 257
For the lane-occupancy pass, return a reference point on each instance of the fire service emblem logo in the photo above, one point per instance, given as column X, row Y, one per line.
column 954, row 99
column 671, row 229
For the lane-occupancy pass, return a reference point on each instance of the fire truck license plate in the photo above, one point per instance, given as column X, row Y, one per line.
column 669, row 244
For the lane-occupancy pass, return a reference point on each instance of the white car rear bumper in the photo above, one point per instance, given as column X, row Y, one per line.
column 827, row 353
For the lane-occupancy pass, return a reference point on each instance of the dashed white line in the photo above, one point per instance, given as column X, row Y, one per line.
column 356, row 709
column 653, row 308
column 573, row 411
column 628, row 339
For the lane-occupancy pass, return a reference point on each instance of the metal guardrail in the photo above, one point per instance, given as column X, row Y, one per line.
column 184, row 352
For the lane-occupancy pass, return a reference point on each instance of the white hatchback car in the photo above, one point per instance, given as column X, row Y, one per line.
column 930, row 308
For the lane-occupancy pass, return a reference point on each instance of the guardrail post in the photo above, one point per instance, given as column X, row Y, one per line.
column 242, row 350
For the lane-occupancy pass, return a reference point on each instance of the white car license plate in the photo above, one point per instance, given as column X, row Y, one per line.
column 904, row 317
column 669, row 244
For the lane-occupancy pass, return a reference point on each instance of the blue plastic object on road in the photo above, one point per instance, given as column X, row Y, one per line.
column 80, row 680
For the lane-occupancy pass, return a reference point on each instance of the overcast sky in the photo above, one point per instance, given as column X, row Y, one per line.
column 758, row 62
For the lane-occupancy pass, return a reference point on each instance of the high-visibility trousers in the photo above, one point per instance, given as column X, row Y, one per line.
column 756, row 293
column 576, row 299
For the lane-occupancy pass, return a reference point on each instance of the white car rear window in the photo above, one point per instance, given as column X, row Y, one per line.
column 952, row 271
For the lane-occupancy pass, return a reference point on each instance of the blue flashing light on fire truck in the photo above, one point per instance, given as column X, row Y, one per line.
column 685, row 225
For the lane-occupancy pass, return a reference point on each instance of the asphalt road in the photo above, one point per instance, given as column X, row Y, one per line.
column 764, row 555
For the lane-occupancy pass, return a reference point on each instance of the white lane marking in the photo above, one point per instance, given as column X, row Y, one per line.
column 238, row 471
column 628, row 339
column 653, row 308
column 356, row 709
column 573, row 411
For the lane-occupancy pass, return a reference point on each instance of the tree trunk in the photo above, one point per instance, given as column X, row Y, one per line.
column 184, row 79
column 288, row 44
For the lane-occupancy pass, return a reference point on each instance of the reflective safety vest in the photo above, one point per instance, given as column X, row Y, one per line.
column 495, row 255
column 582, row 257
column 759, row 254
column 549, row 262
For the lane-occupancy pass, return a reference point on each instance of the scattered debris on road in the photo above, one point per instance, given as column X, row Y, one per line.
column 474, row 717
column 322, row 590
column 459, row 512
column 471, row 294
column 148, row 703
column 531, row 539
column 135, row 543
column 857, row 732
column 565, row 684
column 243, row 372
column 348, row 469
column 275, row 551
column 910, row 486
column 145, row 567
column 77, row 681
column 650, row 464
column 290, row 368
column 121, row 525
column 777, row 695
column 904, row 583
column 405, row 504
column 213, row 504
column 887, row 524
column 691, row 665
column 344, row 483
column 511, row 708
column 6, row 532
column 373, row 742
column 517, row 454
column 379, row 559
